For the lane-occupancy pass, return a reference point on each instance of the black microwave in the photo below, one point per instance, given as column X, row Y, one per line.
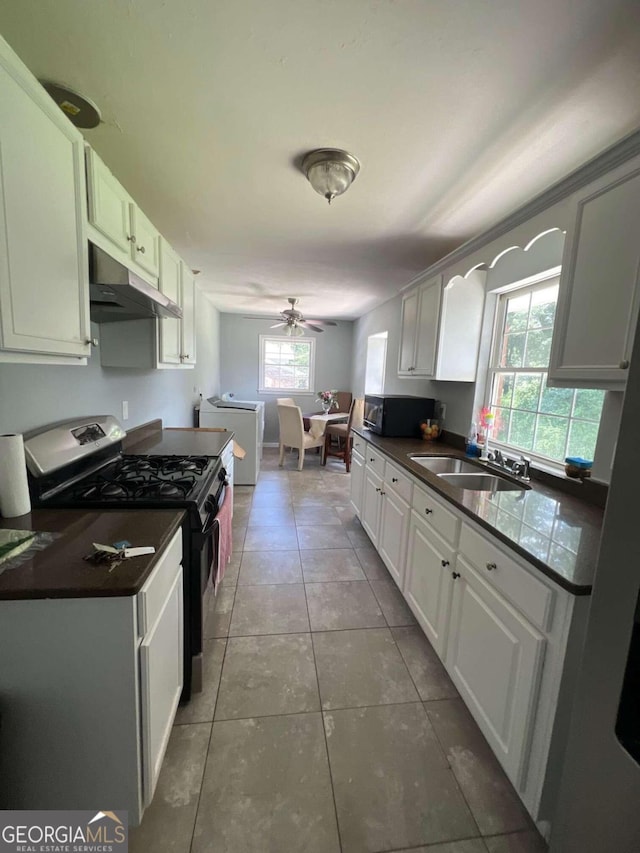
column 397, row 416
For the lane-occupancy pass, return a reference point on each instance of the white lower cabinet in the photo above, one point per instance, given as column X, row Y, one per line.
column 428, row 583
column 94, row 686
column 494, row 656
column 500, row 627
column 371, row 504
column 392, row 538
column 357, row 481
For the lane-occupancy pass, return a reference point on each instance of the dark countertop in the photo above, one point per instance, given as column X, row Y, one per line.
column 556, row 532
column 59, row 571
column 182, row 442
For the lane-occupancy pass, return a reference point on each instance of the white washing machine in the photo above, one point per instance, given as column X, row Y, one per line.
column 246, row 419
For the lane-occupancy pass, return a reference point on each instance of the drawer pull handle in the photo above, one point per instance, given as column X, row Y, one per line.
column 428, row 511
column 131, row 238
column 394, row 479
column 141, row 249
column 382, row 493
column 624, row 364
column 491, row 567
column 371, row 459
column 445, row 563
column 377, row 489
column 455, row 575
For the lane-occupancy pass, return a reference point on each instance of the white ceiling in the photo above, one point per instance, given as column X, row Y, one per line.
column 459, row 110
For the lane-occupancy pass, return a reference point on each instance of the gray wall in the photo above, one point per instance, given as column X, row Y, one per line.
column 239, row 360
column 34, row 395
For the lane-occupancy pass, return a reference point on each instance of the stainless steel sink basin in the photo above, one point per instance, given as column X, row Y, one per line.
column 478, row 482
column 448, row 465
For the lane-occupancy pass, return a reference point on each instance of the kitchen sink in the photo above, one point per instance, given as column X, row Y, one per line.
column 448, row 464
column 478, row 482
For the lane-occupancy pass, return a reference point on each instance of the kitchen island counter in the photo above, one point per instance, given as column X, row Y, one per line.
column 59, row 570
column 555, row 531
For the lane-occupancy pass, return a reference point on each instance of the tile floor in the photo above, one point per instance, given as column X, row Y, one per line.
column 328, row 723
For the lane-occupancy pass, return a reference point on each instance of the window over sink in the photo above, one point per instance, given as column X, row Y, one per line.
column 545, row 422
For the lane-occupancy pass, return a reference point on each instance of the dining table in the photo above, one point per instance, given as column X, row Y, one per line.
column 318, row 423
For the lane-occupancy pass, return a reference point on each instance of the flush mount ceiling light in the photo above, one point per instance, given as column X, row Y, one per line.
column 79, row 110
column 330, row 171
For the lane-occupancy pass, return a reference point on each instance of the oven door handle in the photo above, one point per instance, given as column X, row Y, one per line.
column 210, row 527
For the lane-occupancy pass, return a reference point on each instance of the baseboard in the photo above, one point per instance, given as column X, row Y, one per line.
column 270, row 444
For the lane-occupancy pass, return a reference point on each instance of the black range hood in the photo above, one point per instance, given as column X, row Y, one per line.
column 117, row 293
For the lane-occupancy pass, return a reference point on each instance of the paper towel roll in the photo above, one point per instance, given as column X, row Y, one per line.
column 14, row 489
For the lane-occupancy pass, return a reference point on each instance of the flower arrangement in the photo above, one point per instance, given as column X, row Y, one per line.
column 329, row 400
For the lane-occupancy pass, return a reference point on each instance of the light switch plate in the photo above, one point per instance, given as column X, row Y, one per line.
column 125, row 410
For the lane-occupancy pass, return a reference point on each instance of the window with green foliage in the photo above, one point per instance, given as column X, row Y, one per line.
column 286, row 364
column 551, row 423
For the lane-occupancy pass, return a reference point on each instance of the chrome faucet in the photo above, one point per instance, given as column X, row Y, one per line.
column 520, row 468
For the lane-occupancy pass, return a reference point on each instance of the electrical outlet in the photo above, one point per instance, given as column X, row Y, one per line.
column 443, row 411
column 125, row 410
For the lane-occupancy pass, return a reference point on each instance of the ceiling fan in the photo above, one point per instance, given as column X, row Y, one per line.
column 293, row 321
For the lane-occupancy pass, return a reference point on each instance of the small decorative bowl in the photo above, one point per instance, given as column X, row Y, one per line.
column 430, row 429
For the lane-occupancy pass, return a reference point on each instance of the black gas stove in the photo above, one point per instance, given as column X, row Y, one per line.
column 80, row 463
column 143, row 481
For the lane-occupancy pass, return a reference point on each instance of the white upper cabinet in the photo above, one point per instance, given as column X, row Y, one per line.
column 420, row 315
column 177, row 338
column 188, row 303
column 441, row 327
column 168, row 327
column 108, row 204
column 598, row 299
column 118, row 225
column 44, row 290
column 145, row 248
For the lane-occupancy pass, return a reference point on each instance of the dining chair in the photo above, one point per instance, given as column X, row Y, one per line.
column 292, row 433
column 285, row 401
column 343, row 433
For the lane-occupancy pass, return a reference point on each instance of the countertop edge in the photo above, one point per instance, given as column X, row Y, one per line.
column 432, row 482
column 128, row 590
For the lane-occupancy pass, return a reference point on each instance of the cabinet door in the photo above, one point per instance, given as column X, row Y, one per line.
column 44, row 290
column 428, row 581
column 406, row 356
column 357, row 481
column 370, row 518
column 160, row 684
column 392, row 541
column 169, row 327
column 598, row 299
column 462, row 307
column 146, row 249
column 495, row 659
column 427, row 327
column 188, row 304
column 108, row 203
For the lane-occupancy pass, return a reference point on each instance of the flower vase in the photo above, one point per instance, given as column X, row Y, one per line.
column 326, row 406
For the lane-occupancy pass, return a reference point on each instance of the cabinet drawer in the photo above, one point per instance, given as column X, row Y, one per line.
column 359, row 444
column 375, row 460
column 530, row 595
column 429, row 508
column 399, row 482
column 152, row 596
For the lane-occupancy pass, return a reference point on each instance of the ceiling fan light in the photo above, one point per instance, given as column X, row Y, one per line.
column 330, row 171
column 288, row 330
column 298, row 331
